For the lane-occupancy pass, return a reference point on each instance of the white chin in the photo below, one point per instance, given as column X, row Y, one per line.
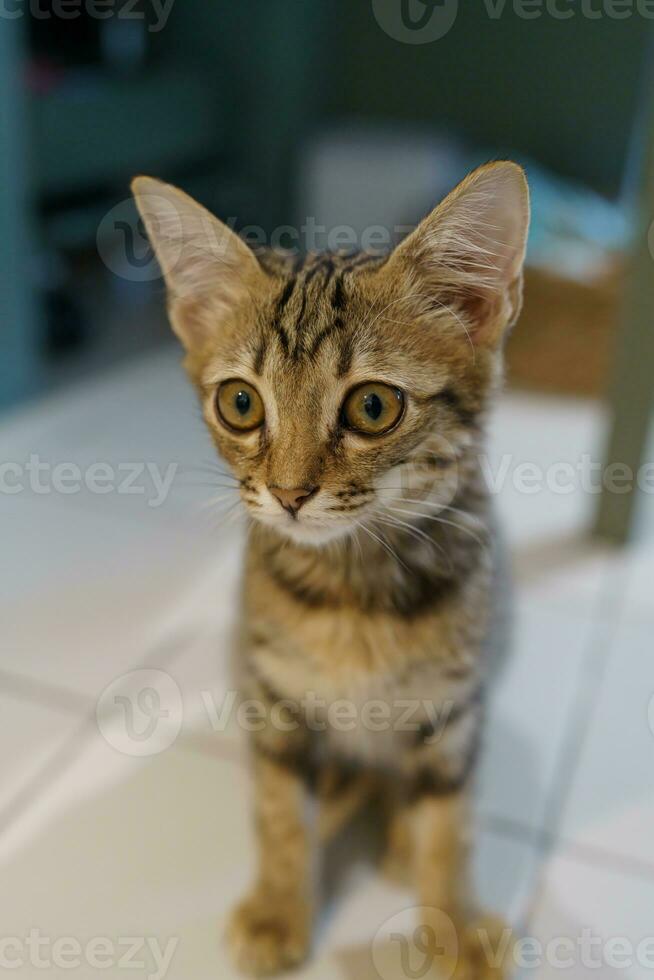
column 304, row 532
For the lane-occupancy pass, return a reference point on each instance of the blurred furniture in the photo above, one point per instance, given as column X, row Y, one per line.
column 19, row 361
column 631, row 396
column 87, row 136
column 70, row 137
column 217, row 103
column 566, row 337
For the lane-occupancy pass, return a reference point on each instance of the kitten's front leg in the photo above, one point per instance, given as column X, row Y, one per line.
column 440, row 771
column 270, row 931
column 440, row 825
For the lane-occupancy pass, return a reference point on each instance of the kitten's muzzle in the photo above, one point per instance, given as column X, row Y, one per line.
column 292, row 500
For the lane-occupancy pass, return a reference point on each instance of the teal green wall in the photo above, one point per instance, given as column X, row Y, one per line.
column 19, row 354
column 563, row 91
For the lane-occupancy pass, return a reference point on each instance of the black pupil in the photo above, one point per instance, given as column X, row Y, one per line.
column 242, row 402
column 373, row 406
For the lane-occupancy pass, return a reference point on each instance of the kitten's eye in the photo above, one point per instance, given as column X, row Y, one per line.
column 373, row 408
column 240, row 405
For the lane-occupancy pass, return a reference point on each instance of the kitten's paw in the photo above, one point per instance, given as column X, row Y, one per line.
column 482, row 949
column 269, row 934
column 485, row 948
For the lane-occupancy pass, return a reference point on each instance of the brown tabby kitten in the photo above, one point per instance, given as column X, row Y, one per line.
column 347, row 393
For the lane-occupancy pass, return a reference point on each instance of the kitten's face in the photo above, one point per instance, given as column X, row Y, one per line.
column 327, row 417
column 341, row 390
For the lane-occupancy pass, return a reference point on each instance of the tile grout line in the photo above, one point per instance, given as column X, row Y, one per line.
column 540, row 839
column 611, row 596
column 41, row 693
column 48, row 772
column 33, row 692
column 598, row 856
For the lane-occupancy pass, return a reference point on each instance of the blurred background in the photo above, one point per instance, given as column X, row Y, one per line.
column 269, row 112
column 274, row 112
column 291, row 120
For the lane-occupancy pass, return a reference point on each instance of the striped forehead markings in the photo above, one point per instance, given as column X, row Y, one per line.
column 301, row 274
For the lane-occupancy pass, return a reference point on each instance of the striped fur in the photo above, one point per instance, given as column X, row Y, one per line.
column 378, row 590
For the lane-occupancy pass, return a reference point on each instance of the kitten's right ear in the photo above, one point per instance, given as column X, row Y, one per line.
column 205, row 264
column 466, row 257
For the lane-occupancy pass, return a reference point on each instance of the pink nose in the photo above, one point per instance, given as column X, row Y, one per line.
column 292, row 500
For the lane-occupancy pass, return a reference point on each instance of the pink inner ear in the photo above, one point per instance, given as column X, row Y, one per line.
column 479, row 309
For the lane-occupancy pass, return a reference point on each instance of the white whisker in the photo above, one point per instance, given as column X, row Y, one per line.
column 385, row 545
column 416, row 533
column 439, row 520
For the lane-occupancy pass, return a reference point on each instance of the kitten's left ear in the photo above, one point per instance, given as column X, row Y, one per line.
column 208, row 269
column 467, row 255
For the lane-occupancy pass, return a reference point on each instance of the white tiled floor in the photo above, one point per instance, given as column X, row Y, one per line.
column 536, row 695
column 595, row 920
column 611, row 802
column 99, row 844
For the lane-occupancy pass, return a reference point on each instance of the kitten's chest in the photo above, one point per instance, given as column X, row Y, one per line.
column 345, row 653
column 335, row 655
column 368, row 684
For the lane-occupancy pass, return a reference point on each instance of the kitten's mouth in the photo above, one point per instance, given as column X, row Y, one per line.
column 306, row 529
column 334, row 515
